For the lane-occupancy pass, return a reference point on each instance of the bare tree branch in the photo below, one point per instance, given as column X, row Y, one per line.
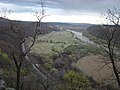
column 112, row 39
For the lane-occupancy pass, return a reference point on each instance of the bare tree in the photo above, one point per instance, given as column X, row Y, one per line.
column 18, row 54
column 112, row 37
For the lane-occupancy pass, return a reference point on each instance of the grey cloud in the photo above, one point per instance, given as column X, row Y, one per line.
column 71, row 5
column 20, row 5
column 31, row 3
column 88, row 5
column 21, row 2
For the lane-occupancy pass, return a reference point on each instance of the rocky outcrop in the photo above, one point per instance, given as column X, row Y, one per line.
column 2, row 82
column 9, row 89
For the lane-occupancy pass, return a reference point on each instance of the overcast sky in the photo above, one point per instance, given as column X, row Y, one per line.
column 82, row 11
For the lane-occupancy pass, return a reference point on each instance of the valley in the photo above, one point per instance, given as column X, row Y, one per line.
column 89, row 59
column 60, row 45
column 58, row 50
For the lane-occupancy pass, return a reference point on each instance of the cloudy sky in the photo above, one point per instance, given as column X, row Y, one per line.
column 81, row 11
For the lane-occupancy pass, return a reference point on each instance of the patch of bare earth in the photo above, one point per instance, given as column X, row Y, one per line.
column 93, row 66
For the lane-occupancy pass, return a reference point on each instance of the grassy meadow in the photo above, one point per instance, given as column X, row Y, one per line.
column 53, row 43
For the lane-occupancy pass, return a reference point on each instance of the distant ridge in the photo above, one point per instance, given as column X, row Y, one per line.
column 76, row 24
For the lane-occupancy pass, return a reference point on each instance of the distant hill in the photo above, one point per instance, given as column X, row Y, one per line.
column 95, row 30
column 74, row 26
column 100, row 31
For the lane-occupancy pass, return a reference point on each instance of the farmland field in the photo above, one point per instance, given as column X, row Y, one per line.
column 53, row 43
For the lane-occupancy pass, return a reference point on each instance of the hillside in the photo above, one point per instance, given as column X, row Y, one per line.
column 101, row 31
column 9, row 38
column 10, row 41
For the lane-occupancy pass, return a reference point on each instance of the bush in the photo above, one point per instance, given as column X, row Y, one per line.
column 54, row 49
column 51, row 41
column 8, row 69
column 9, row 77
column 5, row 62
column 83, row 49
column 94, row 49
column 54, row 70
column 76, row 81
column 48, row 66
column 75, row 49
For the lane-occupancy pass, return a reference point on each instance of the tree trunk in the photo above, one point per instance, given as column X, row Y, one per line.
column 115, row 71
column 111, row 55
column 18, row 79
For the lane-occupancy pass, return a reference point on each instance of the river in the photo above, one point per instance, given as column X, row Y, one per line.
column 86, row 40
column 80, row 36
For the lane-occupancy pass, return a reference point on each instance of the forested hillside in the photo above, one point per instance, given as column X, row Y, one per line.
column 9, row 40
column 100, row 31
column 8, row 37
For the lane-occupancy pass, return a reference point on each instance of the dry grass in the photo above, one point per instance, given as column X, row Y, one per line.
column 91, row 66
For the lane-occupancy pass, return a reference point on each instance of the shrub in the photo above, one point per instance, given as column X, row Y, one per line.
column 48, row 66
column 54, row 70
column 76, row 81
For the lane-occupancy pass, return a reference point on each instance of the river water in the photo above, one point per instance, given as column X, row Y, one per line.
column 80, row 36
column 86, row 40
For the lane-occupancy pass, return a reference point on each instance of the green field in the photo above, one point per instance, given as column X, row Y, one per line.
column 53, row 43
